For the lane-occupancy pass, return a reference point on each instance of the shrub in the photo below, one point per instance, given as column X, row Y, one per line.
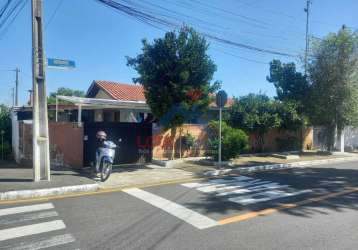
column 234, row 141
column 188, row 141
column 5, row 151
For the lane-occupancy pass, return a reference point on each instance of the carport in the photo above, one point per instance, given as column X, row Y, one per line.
column 133, row 136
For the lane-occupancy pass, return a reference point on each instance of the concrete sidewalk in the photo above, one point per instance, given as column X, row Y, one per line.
column 141, row 175
column 16, row 182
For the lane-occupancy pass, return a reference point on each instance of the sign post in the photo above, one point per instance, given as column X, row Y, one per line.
column 221, row 99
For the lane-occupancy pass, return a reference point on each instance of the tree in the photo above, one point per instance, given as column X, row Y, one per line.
column 176, row 74
column 255, row 113
column 291, row 86
column 66, row 92
column 5, row 128
column 333, row 73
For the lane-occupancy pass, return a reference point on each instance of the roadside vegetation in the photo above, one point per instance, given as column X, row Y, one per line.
column 5, row 132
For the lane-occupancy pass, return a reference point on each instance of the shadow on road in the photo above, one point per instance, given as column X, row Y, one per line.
column 321, row 180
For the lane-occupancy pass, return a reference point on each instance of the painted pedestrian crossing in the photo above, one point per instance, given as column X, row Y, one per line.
column 246, row 190
column 33, row 227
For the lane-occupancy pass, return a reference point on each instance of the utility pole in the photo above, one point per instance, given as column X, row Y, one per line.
column 307, row 10
column 13, row 96
column 17, row 87
column 40, row 139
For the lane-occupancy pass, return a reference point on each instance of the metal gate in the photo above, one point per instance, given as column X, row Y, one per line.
column 133, row 140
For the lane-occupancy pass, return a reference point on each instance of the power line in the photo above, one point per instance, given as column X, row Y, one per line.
column 54, row 13
column 150, row 19
column 13, row 19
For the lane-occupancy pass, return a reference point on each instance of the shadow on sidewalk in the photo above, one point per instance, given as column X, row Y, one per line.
column 20, row 177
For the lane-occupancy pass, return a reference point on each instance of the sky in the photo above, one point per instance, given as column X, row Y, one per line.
column 98, row 39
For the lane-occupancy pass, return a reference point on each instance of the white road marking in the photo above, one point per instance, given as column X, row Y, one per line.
column 255, row 190
column 267, row 196
column 216, row 181
column 25, row 209
column 195, row 219
column 28, row 217
column 47, row 242
column 220, row 187
column 39, row 228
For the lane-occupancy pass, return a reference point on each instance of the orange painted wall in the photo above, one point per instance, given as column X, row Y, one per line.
column 66, row 144
column 163, row 140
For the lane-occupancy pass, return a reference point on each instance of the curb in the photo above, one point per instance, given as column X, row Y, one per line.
column 260, row 168
column 26, row 194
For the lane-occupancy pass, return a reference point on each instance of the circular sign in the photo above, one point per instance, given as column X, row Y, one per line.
column 221, row 98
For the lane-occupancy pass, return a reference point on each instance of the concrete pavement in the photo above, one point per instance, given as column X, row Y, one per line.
column 158, row 217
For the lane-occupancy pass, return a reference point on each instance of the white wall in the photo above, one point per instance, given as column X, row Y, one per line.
column 350, row 138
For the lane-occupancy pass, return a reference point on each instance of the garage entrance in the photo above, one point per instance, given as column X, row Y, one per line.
column 133, row 141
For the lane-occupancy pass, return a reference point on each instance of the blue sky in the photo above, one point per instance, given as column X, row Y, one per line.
column 98, row 39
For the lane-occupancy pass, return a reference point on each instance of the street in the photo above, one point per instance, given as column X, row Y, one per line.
column 300, row 208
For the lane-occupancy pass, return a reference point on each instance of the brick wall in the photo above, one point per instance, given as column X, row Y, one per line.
column 163, row 140
column 66, row 144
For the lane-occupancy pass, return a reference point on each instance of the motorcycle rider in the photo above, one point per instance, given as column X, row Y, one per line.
column 101, row 137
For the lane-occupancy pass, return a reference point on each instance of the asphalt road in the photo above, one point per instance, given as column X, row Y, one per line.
column 301, row 208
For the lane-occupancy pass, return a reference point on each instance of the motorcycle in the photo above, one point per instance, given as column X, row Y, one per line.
column 105, row 158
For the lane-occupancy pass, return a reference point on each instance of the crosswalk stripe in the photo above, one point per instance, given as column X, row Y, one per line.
column 47, row 242
column 269, row 195
column 39, row 228
column 197, row 220
column 28, row 217
column 217, row 181
column 218, row 187
column 25, row 209
column 251, row 190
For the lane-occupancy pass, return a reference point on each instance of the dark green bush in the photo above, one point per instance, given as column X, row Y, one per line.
column 234, row 141
column 188, row 141
column 5, row 151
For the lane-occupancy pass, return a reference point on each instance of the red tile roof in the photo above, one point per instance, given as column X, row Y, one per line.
column 132, row 92
column 121, row 91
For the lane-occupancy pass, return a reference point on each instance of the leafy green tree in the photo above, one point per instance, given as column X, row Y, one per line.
column 290, row 118
column 333, row 72
column 234, row 141
column 66, row 92
column 5, row 129
column 176, row 74
column 291, row 86
column 255, row 113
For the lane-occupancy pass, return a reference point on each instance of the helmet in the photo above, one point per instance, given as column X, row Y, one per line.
column 101, row 135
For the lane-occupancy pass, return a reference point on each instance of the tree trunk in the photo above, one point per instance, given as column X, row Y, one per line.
column 180, row 142
column 173, row 134
column 331, row 132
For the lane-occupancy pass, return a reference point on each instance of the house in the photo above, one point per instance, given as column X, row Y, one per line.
column 120, row 92
column 120, row 110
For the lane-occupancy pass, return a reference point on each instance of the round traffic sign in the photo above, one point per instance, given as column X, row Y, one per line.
column 221, row 98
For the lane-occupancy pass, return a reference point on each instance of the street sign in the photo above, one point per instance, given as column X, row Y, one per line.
column 221, row 98
column 60, row 63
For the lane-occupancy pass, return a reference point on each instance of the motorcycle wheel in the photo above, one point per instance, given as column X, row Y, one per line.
column 106, row 170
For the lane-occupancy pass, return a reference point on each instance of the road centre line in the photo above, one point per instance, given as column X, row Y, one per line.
column 195, row 219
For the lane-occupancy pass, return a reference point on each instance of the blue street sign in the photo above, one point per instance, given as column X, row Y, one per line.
column 60, row 63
